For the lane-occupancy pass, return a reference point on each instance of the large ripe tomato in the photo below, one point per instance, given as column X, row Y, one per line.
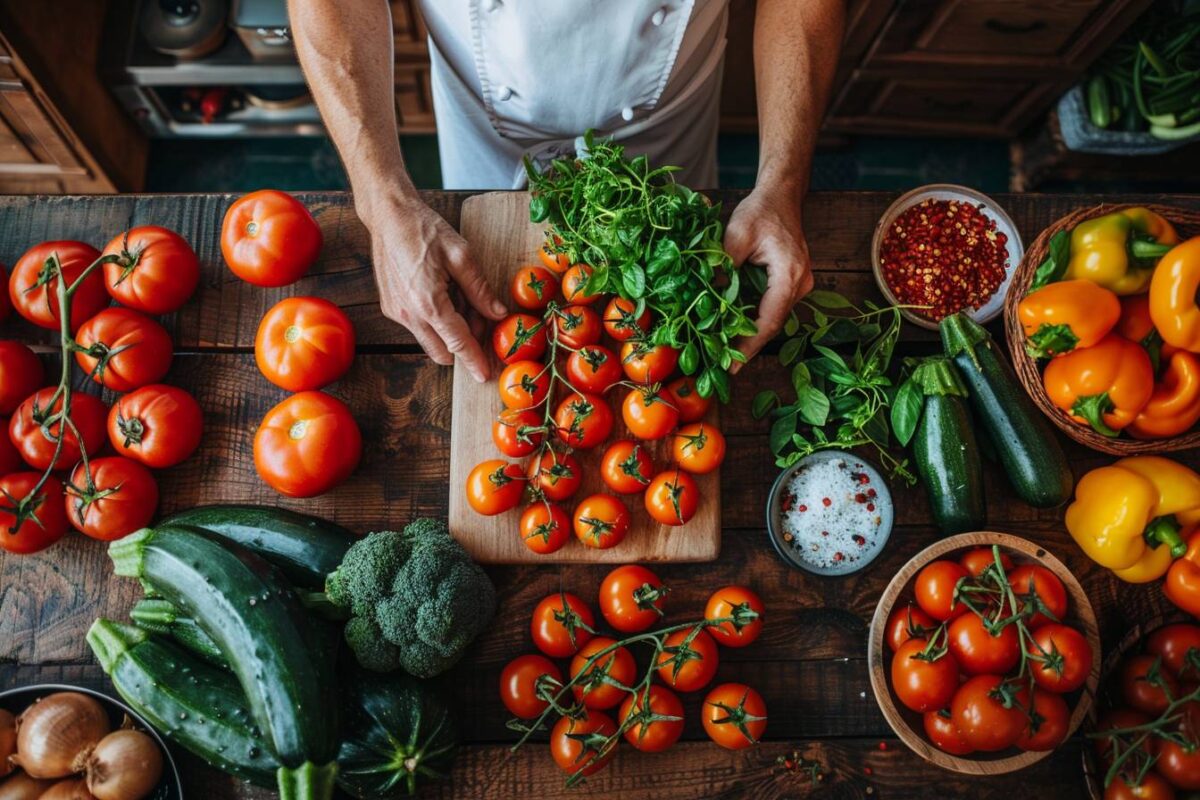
column 10, row 459
column 978, row 651
column 648, row 363
column 688, row 660
column 307, row 444
column 533, row 288
column 88, row 414
column 156, row 270
column 33, row 534
column 545, row 527
column 158, row 425
column 621, row 320
column 724, row 603
column 941, row 730
column 1061, row 658
column 672, row 497
column 631, row 598
column 20, row 374
column 601, row 521
column 1051, row 719
column 699, row 448
column 573, row 281
column 593, row 368
column 123, row 350
column 268, row 238
column 1030, row 579
column 556, row 475
column 1172, row 643
column 648, row 413
column 934, row 589
column 524, row 384
column 1180, row 767
column 1145, row 684
column 922, row 684
column 33, row 284
column 583, row 421
column 577, row 326
column 682, row 394
column 518, row 433
column 593, row 687
column 734, row 716
column 495, row 486
column 555, row 261
column 121, row 498
column 979, row 711
column 561, row 624
column 907, row 622
column 519, row 337
column 525, row 684
column 653, row 719
column 1152, row 787
column 304, row 343
column 980, row 558
column 626, row 467
column 576, row 746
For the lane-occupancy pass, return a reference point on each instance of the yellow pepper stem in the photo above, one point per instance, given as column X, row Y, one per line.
column 1147, row 249
column 1164, row 531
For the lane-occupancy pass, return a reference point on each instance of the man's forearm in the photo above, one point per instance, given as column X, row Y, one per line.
column 796, row 46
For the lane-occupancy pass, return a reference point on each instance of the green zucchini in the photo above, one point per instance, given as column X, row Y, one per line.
column 945, row 453
column 1026, row 446
column 304, row 548
column 197, row 706
column 247, row 608
column 1099, row 102
column 159, row 616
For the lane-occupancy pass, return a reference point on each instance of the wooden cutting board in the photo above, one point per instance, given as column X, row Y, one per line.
column 502, row 240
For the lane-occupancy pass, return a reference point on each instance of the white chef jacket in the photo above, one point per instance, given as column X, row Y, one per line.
column 517, row 77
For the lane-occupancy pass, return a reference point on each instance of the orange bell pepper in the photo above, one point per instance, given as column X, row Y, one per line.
column 1182, row 584
column 1173, row 296
column 1104, row 386
column 1175, row 405
column 1062, row 316
column 1136, row 326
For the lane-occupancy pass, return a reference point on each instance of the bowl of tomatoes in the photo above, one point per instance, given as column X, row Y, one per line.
column 984, row 653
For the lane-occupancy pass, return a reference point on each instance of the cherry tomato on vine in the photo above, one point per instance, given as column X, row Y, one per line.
column 519, row 337
column 621, row 322
column 941, row 730
column 1060, row 658
column 556, row 475
column 1028, row 578
column 981, row 716
column 561, row 624
column 571, row 738
column 574, row 279
column 121, row 499
column 20, row 374
column 533, row 288
column 518, row 433
column 495, row 486
column 157, row 425
column 724, row 603
column 935, row 587
column 654, row 718
column 1139, row 690
column 593, row 368
column 1172, row 643
column 601, row 521
column 1049, row 725
column 156, row 271
column 33, row 285
column 592, row 688
column 688, row 660
column 1180, row 767
column 545, row 527
column 88, row 414
column 907, row 622
column 626, row 467
column 33, row 534
column 648, row 413
column 734, row 716
column 10, row 459
column 307, row 444
column 123, row 350
column 268, row 238
column 672, row 497
column 523, row 384
column 698, row 448
column 577, row 326
column 648, row 363
column 922, row 684
column 976, row 560
column 523, row 682
column 304, row 343
column 1115, row 719
column 583, row 421
column 556, row 262
column 631, row 598
column 691, row 406
column 1152, row 787
column 978, row 651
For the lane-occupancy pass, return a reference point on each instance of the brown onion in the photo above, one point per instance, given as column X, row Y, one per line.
column 55, row 734
column 74, row 789
column 126, row 765
column 8, row 741
column 20, row 786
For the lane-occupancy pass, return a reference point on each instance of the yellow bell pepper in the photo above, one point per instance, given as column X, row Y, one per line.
column 1123, row 515
column 1118, row 250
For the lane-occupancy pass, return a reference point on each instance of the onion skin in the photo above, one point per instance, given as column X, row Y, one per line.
column 8, row 741
column 125, row 765
column 56, row 734
column 74, row 789
column 20, row 786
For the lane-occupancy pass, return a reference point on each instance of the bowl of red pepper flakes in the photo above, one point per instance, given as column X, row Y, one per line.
column 944, row 248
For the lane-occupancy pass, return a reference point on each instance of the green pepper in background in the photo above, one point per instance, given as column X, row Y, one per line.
column 1118, row 250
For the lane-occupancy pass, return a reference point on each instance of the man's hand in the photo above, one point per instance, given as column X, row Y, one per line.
column 765, row 229
column 417, row 255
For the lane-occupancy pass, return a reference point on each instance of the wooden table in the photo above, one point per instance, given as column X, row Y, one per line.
column 810, row 663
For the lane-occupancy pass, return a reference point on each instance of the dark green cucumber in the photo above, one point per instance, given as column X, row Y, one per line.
column 159, row 616
column 305, row 548
column 1026, row 446
column 248, row 609
column 199, row 707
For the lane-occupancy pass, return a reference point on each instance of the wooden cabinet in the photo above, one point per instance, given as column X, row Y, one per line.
column 414, row 95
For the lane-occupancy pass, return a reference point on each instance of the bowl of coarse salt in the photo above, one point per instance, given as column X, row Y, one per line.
column 830, row 513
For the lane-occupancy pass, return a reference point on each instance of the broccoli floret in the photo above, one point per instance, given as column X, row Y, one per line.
column 417, row 598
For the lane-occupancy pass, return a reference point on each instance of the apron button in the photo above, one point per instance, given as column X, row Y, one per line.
column 627, row 114
column 658, row 17
column 493, row 5
column 505, row 92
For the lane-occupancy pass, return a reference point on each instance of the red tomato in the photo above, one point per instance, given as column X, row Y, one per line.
column 601, row 521
column 631, row 598
column 156, row 270
column 1116, row 719
column 688, row 660
column 1050, row 722
column 979, row 712
column 533, row 288
column 20, row 374
column 495, row 486
column 1152, row 787
column 648, row 414
column 935, row 587
column 734, row 716
column 545, row 527
column 699, row 448
column 518, row 433
column 158, row 425
column 583, row 421
column 593, row 688
column 519, row 337
column 1140, row 679
column 304, row 343
column 977, row 560
column 653, row 719
column 907, row 622
column 33, row 284
column 573, row 282
column 648, row 363
column 944, row 734
column 977, row 651
column 25, row 428
column 561, row 624
column 626, row 467
column 672, row 497
column 593, row 368
column 268, row 238
column 525, row 684
column 31, row 535
column 1030, row 578
column 571, row 743
column 10, row 459
column 120, row 500
column 920, row 684
column 621, row 321
column 723, row 603
column 1180, row 767
column 1061, row 658
column 1172, row 643
column 555, row 261
column 524, row 384
column 307, row 445
column 687, row 401
column 577, row 326
column 124, row 350
column 556, row 475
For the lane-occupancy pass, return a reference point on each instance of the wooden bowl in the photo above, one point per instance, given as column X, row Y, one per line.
column 1187, row 224
column 907, row 724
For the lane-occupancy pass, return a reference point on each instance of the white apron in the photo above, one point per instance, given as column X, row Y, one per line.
column 512, row 77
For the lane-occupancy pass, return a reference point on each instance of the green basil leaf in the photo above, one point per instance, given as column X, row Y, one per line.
column 792, row 325
column 790, row 351
column 814, row 406
column 906, row 411
column 781, row 432
column 801, row 377
column 757, row 276
column 763, row 403
column 826, row 299
column 539, row 208
column 704, row 386
column 731, row 291
column 689, row 359
column 634, row 281
column 1058, row 258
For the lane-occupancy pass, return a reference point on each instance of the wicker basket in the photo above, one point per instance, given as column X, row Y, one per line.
column 1187, row 224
